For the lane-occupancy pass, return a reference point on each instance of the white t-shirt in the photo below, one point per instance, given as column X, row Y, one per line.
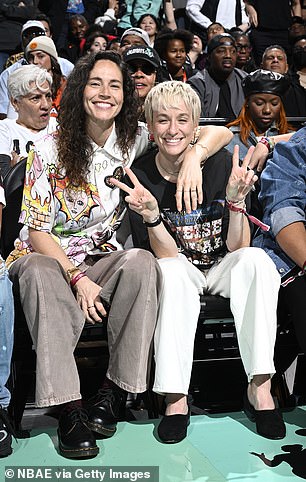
column 14, row 137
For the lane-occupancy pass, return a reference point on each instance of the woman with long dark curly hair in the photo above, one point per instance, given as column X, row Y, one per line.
column 70, row 264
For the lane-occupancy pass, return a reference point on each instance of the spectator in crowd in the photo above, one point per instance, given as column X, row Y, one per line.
column 297, row 28
column 65, row 65
column 13, row 15
column 133, row 36
column 173, row 47
column 244, row 60
column 6, row 347
column 114, row 44
column 283, row 198
column 72, row 49
column 135, row 9
column 275, row 59
column 41, row 51
column 219, row 85
column 95, row 41
column 151, row 25
column 72, row 246
column 144, row 66
column 270, row 22
column 263, row 113
column 299, row 60
column 229, row 13
column 230, row 267
column 30, row 92
column 214, row 29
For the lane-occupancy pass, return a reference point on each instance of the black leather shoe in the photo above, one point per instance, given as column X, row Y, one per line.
column 269, row 423
column 75, row 439
column 105, row 409
column 173, row 428
column 6, row 431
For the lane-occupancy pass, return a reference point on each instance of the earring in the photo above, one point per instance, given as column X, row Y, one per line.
column 151, row 137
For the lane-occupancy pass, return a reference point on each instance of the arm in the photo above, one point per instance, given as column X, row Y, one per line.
column 239, row 185
column 292, row 240
column 261, row 152
column 193, row 10
column 189, row 183
column 144, row 203
column 169, row 14
column 283, row 197
column 87, row 292
column 296, row 8
column 251, row 13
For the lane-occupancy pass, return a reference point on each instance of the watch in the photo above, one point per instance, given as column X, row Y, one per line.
column 71, row 272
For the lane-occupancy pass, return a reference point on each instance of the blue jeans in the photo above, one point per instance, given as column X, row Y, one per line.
column 6, row 332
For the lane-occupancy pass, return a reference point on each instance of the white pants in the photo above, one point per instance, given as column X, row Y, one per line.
column 249, row 278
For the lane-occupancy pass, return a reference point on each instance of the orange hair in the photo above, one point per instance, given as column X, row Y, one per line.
column 247, row 124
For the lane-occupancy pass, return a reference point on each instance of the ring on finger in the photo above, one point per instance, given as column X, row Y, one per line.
column 88, row 307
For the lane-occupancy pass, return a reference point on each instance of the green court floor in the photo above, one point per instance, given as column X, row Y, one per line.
column 220, row 447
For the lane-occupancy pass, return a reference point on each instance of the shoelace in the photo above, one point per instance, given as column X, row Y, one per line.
column 105, row 393
column 77, row 414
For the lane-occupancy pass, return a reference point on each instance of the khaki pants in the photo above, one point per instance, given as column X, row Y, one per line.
column 130, row 282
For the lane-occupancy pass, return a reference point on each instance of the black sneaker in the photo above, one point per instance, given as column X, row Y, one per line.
column 6, row 432
column 75, row 439
column 105, row 409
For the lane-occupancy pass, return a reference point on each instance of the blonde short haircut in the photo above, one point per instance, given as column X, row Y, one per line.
column 169, row 94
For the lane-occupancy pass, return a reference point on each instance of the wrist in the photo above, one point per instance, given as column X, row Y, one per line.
column 71, row 272
column 76, row 278
column 153, row 222
column 268, row 142
column 233, row 201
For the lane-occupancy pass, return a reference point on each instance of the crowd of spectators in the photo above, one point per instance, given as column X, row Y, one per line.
column 245, row 60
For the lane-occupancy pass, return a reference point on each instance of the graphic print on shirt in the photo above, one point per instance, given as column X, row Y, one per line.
column 199, row 234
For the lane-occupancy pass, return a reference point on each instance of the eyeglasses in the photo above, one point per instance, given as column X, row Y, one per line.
column 146, row 69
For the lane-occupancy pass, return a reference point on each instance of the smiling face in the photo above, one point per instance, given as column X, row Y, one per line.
column 264, row 109
column 144, row 75
column 149, row 25
column 34, row 109
column 103, row 94
column 173, row 129
column 175, row 55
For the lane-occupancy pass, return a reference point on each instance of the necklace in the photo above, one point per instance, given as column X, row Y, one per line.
column 171, row 173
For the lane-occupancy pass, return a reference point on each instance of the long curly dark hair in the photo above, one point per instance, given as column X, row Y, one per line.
column 74, row 145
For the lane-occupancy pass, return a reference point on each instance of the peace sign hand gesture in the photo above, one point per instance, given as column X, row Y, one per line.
column 241, row 179
column 139, row 198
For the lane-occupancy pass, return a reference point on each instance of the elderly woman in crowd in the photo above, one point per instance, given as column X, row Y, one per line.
column 30, row 93
column 216, row 237
column 262, row 114
column 69, row 263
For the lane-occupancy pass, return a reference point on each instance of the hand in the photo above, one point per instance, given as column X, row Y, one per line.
column 15, row 158
column 259, row 157
column 139, row 198
column 241, row 179
column 252, row 14
column 189, row 184
column 88, row 298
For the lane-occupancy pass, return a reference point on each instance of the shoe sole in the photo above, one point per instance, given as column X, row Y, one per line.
column 107, row 432
column 79, row 453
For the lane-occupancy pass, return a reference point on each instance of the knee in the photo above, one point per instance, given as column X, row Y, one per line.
column 36, row 265
column 140, row 264
column 256, row 260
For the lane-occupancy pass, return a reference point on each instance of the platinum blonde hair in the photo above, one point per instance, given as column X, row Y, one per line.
column 169, row 94
column 27, row 79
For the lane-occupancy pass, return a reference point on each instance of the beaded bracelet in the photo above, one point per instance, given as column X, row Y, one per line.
column 268, row 142
column 76, row 278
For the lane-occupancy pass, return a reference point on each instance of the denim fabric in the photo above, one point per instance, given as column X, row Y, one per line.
column 252, row 140
column 6, row 332
column 283, row 195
